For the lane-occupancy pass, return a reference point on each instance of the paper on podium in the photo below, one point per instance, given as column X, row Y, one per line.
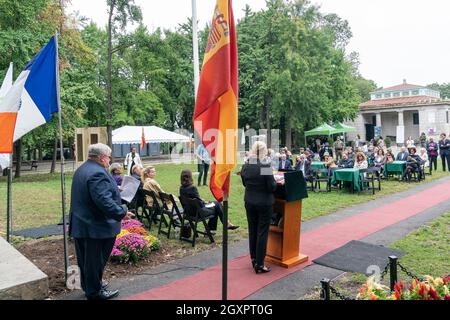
column 129, row 187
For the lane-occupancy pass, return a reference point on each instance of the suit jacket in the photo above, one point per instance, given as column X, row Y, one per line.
column 287, row 165
column 346, row 164
column 402, row 156
column 95, row 210
column 307, row 170
column 259, row 184
column 444, row 147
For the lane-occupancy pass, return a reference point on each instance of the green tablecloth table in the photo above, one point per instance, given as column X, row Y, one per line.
column 347, row 175
column 396, row 167
column 317, row 165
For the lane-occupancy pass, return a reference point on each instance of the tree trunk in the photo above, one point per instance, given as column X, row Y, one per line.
column 40, row 156
column 109, row 77
column 288, row 131
column 269, row 124
column 18, row 155
column 55, row 152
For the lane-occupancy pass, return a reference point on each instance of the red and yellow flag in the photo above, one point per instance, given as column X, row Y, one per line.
column 143, row 142
column 216, row 111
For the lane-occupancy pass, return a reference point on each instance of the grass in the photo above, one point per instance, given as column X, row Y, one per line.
column 37, row 198
column 426, row 253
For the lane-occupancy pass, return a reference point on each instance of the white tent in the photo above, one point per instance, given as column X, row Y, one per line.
column 153, row 134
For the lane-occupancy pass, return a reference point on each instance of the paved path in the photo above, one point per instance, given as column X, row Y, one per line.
column 381, row 221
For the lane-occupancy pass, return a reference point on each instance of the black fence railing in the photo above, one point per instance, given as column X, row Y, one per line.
column 327, row 289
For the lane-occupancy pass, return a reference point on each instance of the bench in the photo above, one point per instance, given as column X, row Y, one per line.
column 31, row 163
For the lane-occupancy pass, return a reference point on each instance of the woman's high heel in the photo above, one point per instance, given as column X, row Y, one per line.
column 262, row 269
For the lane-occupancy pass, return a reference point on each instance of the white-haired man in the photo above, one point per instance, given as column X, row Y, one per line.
column 95, row 216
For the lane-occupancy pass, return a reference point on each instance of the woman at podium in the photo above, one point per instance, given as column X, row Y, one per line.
column 260, row 185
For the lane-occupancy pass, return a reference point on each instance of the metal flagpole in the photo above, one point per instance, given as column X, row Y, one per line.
column 63, row 182
column 225, row 249
column 195, row 46
column 9, row 201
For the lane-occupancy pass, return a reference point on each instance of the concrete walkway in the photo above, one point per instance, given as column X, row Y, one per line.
column 381, row 222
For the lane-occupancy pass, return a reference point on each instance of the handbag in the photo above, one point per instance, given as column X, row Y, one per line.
column 186, row 231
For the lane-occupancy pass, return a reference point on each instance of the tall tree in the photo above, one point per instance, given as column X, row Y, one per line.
column 120, row 12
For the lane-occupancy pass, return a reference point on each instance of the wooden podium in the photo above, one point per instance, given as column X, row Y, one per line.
column 283, row 246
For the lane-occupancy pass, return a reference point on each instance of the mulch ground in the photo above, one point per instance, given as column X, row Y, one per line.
column 48, row 256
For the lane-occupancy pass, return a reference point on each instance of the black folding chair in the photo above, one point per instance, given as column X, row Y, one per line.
column 152, row 212
column 194, row 214
column 321, row 175
column 368, row 181
column 170, row 210
column 375, row 172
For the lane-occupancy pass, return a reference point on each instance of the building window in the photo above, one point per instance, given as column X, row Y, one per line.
column 387, row 95
column 405, row 93
column 397, row 94
column 378, row 96
column 374, row 120
column 415, row 92
column 415, row 118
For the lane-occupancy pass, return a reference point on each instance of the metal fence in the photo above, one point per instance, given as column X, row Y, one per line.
column 327, row 289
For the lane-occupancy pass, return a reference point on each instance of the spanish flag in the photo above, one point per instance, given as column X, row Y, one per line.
column 216, row 111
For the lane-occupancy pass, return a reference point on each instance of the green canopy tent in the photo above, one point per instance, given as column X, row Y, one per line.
column 322, row 130
column 343, row 128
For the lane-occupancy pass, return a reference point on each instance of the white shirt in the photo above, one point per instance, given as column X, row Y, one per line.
column 129, row 159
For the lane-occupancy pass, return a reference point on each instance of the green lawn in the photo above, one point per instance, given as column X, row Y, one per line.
column 36, row 198
column 427, row 252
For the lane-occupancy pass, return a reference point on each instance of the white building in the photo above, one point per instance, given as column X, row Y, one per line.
column 402, row 111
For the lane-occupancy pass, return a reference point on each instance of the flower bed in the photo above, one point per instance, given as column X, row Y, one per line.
column 133, row 243
column 430, row 289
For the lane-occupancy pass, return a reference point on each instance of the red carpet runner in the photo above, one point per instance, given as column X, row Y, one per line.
column 206, row 285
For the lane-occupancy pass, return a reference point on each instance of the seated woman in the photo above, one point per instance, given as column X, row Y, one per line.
column 329, row 161
column 345, row 162
column 413, row 163
column 116, row 171
column 379, row 159
column 150, row 184
column 424, row 156
column 361, row 161
column 390, row 156
column 189, row 190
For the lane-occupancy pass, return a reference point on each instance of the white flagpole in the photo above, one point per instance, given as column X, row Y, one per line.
column 195, row 46
column 63, row 182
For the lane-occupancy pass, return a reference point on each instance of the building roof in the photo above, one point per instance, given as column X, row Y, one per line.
column 398, row 102
column 404, row 86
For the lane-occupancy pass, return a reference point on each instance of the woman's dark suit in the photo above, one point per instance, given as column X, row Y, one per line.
column 215, row 212
column 259, row 185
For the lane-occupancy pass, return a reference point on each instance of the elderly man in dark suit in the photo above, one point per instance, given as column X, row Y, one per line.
column 403, row 154
column 304, row 165
column 285, row 163
column 95, row 216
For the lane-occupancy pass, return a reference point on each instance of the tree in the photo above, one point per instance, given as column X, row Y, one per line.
column 120, row 12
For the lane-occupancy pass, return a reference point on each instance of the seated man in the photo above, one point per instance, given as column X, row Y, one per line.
column 304, row 165
column 402, row 155
column 285, row 164
column 345, row 162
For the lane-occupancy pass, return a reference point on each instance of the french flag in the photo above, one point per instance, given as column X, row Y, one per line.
column 32, row 99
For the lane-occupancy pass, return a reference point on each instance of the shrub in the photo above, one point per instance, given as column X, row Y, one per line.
column 131, row 223
column 429, row 289
column 130, row 247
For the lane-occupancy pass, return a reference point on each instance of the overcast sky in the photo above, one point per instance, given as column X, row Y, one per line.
column 396, row 39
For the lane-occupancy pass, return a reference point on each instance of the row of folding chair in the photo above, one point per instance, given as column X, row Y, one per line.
column 168, row 216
